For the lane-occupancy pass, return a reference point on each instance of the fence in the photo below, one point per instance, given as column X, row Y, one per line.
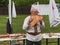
column 19, row 10
column 3, row 10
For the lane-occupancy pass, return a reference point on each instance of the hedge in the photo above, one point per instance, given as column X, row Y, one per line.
column 4, row 3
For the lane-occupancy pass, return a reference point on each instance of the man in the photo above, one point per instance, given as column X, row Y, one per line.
column 33, row 31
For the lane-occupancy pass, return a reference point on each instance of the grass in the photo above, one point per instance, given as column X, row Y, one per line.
column 17, row 27
column 3, row 21
column 18, row 22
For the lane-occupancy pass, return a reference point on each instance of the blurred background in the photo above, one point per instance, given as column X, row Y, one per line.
column 23, row 10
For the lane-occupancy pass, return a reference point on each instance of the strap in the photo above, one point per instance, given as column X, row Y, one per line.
column 35, row 29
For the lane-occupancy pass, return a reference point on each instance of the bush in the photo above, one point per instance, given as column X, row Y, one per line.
column 30, row 2
column 3, row 3
column 26, row 3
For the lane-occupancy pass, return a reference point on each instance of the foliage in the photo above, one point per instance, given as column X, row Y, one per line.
column 30, row 2
column 3, row 3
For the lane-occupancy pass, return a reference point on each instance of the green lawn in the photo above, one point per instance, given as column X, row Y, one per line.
column 18, row 22
column 17, row 27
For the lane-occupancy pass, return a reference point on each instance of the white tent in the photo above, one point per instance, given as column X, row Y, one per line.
column 53, row 14
column 13, row 11
column 47, row 9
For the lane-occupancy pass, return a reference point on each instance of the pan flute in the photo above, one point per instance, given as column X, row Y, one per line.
column 36, row 18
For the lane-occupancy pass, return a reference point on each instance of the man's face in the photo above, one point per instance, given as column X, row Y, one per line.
column 34, row 11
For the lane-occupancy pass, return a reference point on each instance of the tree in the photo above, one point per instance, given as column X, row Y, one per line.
column 3, row 3
column 29, row 2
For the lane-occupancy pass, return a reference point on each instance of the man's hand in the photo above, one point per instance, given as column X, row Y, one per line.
column 40, row 22
column 41, row 25
column 29, row 23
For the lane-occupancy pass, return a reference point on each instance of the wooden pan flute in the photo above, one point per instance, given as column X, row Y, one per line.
column 35, row 19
